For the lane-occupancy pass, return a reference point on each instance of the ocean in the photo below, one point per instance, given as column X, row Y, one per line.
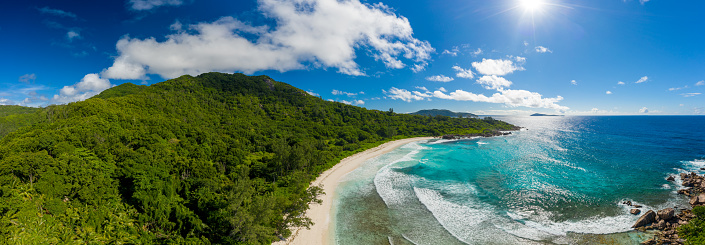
column 560, row 180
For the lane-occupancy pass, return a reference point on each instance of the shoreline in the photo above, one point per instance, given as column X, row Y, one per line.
column 322, row 214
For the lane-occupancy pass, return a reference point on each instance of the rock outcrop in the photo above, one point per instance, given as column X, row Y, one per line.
column 666, row 214
column 465, row 136
column 646, row 219
column 698, row 200
column 667, row 221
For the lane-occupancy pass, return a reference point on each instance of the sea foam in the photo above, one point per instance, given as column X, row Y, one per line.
column 469, row 223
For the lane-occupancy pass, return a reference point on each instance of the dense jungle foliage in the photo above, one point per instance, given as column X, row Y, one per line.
column 694, row 231
column 13, row 117
column 213, row 159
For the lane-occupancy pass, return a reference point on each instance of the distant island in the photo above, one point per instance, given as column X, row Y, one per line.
column 440, row 112
column 544, row 115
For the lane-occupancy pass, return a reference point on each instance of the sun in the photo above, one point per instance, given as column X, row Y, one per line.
column 531, row 5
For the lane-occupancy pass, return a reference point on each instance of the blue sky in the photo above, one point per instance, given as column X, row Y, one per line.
column 621, row 57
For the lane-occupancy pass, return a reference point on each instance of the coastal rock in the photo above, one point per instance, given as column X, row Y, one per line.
column 688, row 183
column 698, row 200
column 449, row 137
column 671, row 178
column 684, row 176
column 637, row 206
column 634, row 211
column 649, row 242
column 666, row 214
column 662, row 225
column 648, row 218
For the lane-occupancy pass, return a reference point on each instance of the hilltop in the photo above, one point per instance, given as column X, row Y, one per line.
column 440, row 112
column 213, row 159
column 13, row 117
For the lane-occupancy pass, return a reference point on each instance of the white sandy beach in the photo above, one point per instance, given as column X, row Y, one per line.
column 321, row 214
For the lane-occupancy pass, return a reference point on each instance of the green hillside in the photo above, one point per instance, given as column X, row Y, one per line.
column 213, row 159
column 439, row 112
column 13, row 117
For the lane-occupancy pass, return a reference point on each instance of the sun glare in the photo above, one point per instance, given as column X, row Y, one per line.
column 531, row 5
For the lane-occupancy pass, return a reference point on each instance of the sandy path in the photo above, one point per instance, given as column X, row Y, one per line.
column 321, row 214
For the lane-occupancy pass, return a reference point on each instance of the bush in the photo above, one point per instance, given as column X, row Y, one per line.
column 694, row 231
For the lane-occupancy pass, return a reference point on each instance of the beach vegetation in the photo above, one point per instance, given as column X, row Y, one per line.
column 694, row 231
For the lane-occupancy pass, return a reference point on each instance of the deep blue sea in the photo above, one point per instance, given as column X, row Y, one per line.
column 558, row 181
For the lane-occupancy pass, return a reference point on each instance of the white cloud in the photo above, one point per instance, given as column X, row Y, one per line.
column 701, row 83
column 642, row 79
column 57, row 12
column 34, row 100
column 678, row 88
column 422, row 88
column 644, row 110
column 574, row 82
column 71, row 35
column 496, row 67
column 418, row 67
column 542, row 49
column 176, row 26
column 509, row 97
column 593, row 111
column 450, row 53
column 150, row 4
column 494, row 82
column 518, row 59
column 477, row 52
column 526, row 43
column 462, row 73
column 405, row 95
column 644, row 1
column 338, row 92
column 453, row 52
column 124, row 69
column 690, row 94
column 699, row 110
column 608, row 92
column 354, row 102
column 439, row 78
column 326, row 34
column 620, row 83
column 90, row 85
column 4, row 101
column 312, row 93
column 27, row 78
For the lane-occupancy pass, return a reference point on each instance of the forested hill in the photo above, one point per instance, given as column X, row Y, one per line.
column 439, row 112
column 213, row 159
column 13, row 117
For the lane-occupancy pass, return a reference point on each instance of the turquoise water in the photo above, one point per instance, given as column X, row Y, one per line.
column 551, row 183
